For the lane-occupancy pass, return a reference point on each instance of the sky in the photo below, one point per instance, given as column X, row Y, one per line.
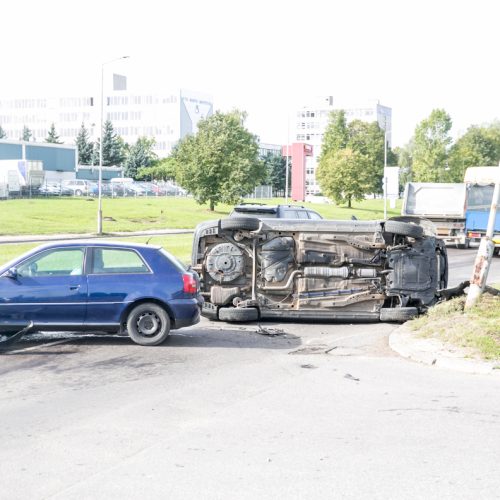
column 267, row 58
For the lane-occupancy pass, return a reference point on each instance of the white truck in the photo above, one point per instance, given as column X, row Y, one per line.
column 442, row 203
column 17, row 176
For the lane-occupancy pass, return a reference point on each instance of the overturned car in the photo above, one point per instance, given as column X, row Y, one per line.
column 317, row 270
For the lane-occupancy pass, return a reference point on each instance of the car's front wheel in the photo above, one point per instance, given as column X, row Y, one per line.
column 148, row 324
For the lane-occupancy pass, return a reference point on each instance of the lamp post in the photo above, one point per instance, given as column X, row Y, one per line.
column 99, row 184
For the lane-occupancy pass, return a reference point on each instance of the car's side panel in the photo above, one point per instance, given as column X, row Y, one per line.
column 44, row 300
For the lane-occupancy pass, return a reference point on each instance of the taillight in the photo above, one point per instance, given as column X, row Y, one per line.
column 190, row 283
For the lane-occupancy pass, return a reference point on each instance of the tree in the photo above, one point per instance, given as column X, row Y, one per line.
column 276, row 171
column 84, row 146
column 368, row 139
column 365, row 139
column 432, row 142
column 336, row 135
column 479, row 146
column 52, row 136
column 344, row 175
column 404, row 159
column 113, row 146
column 3, row 134
column 221, row 162
column 139, row 155
column 27, row 134
column 160, row 170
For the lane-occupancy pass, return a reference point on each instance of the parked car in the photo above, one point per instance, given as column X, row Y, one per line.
column 105, row 189
column 51, row 188
column 101, row 286
column 75, row 187
column 317, row 270
column 262, row 210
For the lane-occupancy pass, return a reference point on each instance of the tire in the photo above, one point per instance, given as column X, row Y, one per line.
column 403, row 229
column 78, row 192
column 496, row 251
column 238, row 314
column 398, row 314
column 244, row 223
column 148, row 324
column 465, row 246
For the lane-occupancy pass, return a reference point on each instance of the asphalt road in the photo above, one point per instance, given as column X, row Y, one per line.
column 264, row 411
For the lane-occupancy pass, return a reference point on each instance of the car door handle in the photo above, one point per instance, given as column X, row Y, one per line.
column 74, row 287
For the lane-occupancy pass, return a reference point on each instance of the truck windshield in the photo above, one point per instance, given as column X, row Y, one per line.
column 480, row 197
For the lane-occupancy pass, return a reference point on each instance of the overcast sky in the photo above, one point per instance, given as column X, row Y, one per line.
column 267, row 57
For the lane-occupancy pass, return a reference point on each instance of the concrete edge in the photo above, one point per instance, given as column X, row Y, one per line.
column 433, row 352
column 40, row 238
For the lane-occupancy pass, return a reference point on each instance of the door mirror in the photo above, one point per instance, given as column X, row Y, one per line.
column 11, row 273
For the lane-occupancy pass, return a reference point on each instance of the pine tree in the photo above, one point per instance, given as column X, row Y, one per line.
column 27, row 134
column 52, row 136
column 112, row 146
column 85, row 147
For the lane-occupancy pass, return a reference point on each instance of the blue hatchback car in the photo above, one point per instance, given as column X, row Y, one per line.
column 111, row 287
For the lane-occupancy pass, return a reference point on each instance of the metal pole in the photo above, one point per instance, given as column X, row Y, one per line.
column 385, row 167
column 99, row 208
column 99, row 184
column 287, row 168
column 485, row 252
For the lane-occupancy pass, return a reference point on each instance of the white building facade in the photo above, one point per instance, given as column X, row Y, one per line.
column 165, row 116
column 311, row 121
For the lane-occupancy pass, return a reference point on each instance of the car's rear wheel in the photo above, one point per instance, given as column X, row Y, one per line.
column 148, row 324
column 236, row 314
column 78, row 192
column 243, row 223
column 403, row 229
column 398, row 314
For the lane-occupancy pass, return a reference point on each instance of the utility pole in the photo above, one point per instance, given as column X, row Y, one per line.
column 485, row 252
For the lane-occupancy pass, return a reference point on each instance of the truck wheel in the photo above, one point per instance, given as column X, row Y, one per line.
column 398, row 314
column 465, row 245
column 403, row 229
column 244, row 223
column 148, row 324
column 236, row 314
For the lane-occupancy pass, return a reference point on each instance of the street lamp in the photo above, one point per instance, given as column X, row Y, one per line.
column 99, row 207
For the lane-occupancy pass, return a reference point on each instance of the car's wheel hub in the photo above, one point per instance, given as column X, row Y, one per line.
column 148, row 324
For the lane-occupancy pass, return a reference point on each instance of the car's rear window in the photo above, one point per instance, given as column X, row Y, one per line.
column 117, row 261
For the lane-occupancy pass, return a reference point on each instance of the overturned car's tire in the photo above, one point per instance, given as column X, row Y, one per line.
column 403, row 229
column 399, row 314
column 238, row 314
column 244, row 223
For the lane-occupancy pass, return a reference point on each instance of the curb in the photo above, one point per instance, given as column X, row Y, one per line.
column 433, row 352
column 4, row 240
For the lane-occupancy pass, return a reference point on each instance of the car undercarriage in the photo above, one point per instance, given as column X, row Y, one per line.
column 317, row 270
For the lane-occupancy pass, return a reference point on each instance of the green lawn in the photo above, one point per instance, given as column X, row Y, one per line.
column 79, row 215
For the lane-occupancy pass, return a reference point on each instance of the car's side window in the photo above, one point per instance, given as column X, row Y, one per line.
column 58, row 262
column 117, row 261
column 314, row 215
column 302, row 214
column 290, row 214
